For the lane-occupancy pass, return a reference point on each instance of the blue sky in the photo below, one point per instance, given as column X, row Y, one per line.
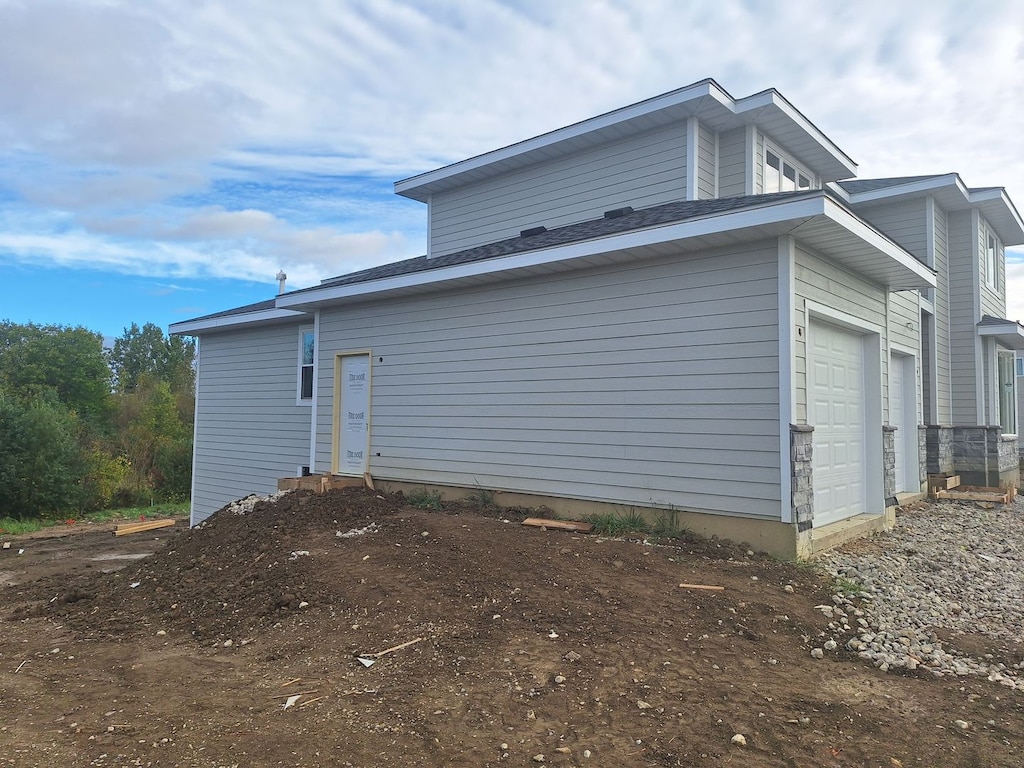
column 163, row 159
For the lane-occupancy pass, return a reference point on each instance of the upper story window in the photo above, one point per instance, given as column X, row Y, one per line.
column 991, row 260
column 781, row 174
column 1020, row 366
column 307, row 347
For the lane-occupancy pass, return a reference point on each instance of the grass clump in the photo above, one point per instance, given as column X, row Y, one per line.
column 481, row 497
column 421, row 498
column 618, row 524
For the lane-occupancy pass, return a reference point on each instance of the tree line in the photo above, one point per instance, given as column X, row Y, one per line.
column 85, row 428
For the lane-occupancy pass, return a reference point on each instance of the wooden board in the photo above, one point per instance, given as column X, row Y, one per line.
column 975, row 493
column 943, row 482
column 562, row 525
column 148, row 525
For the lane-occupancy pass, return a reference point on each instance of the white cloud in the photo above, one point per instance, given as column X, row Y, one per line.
column 129, row 112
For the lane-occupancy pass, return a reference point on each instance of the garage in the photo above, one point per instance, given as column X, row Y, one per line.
column 836, row 408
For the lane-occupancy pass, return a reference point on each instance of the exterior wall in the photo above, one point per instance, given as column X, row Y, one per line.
column 639, row 171
column 801, row 447
column 941, row 302
column 889, row 464
column 707, row 152
column 249, row 429
column 732, row 163
column 963, row 319
column 653, row 383
column 993, row 298
column 939, row 450
column 824, row 282
column 904, row 329
column 983, row 456
column 905, row 222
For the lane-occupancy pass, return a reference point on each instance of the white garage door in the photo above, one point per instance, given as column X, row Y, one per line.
column 835, row 390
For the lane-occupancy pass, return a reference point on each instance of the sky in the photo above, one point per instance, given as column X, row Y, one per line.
column 165, row 159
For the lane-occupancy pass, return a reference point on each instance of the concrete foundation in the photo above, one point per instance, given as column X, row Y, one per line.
column 781, row 540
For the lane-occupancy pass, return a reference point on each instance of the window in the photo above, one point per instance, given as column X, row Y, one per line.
column 307, row 347
column 991, row 261
column 1020, row 366
column 1007, row 393
column 783, row 175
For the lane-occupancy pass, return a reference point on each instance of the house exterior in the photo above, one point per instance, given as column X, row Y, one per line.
column 689, row 306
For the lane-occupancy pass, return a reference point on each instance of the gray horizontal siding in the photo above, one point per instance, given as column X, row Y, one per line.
column 706, row 163
column 732, row 163
column 963, row 318
column 824, row 282
column 249, row 429
column 993, row 297
column 650, row 384
column 904, row 328
column 639, row 171
column 944, row 407
column 904, row 222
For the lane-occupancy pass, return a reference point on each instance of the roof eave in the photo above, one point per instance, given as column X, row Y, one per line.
column 1010, row 334
column 229, row 322
column 884, row 261
column 705, row 97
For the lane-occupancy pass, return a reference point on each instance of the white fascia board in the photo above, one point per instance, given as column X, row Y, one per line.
column 772, row 98
column 857, row 226
column 916, row 187
column 408, row 186
column 195, row 327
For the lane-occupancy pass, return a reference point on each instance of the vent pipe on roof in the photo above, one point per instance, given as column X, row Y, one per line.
column 282, row 278
column 533, row 231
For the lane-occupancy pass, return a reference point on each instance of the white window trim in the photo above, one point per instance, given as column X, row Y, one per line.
column 991, row 258
column 299, row 399
column 998, row 409
column 787, row 159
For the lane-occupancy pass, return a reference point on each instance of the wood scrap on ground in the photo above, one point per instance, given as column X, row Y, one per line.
column 978, row 493
column 138, row 527
column 709, row 587
column 562, row 525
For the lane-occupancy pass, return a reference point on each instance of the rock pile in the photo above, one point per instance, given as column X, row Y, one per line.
column 946, row 570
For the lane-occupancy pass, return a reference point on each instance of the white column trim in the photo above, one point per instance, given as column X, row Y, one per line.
column 787, row 365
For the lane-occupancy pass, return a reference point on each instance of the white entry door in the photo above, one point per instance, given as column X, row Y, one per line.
column 836, row 394
column 903, row 416
column 354, row 415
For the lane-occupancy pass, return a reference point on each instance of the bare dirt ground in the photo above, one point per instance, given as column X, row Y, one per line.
column 534, row 643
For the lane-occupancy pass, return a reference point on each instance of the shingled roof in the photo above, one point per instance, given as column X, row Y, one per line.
column 627, row 220
column 613, row 223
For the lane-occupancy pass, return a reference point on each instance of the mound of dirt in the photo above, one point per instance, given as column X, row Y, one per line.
column 521, row 642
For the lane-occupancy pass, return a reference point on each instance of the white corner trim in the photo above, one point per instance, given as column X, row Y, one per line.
column 787, row 363
column 195, row 436
column 316, row 387
column 692, row 153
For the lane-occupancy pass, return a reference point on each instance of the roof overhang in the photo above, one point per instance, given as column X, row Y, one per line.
column 230, row 322
column 950, row 192
column 818, row 221
column 706, row 100
column 1008, row 333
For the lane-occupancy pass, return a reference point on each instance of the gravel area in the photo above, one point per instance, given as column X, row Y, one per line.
column 948, row 576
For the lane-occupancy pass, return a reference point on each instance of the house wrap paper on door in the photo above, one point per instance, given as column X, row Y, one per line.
column 355, row 372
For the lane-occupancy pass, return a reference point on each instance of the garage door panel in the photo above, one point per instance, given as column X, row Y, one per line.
column 837, row 392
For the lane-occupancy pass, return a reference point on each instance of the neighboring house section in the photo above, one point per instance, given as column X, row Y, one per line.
column 686, row 306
